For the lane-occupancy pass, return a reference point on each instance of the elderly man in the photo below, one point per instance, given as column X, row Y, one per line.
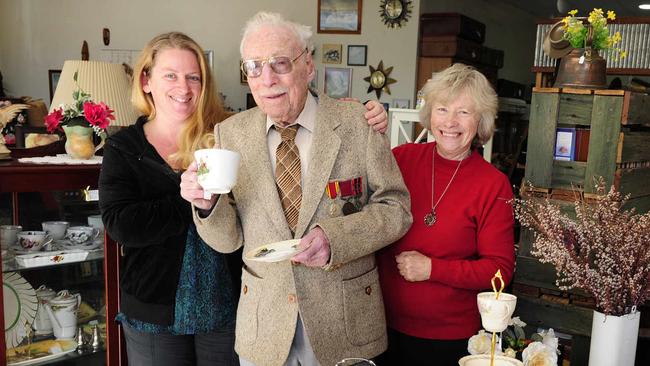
column 312, row 169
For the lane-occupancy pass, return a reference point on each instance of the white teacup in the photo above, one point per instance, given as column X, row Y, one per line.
column 33, row 240
column 56, row 229
column 9, row 235
column 81, row 234
column 217, row 170
column 96, row 222
column 495, row 314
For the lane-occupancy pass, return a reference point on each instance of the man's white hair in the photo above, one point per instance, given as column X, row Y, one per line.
column 302, row 32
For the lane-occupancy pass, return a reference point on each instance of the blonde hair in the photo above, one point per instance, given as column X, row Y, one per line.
column 197, row 131
column 449, row 84
column 302, row 32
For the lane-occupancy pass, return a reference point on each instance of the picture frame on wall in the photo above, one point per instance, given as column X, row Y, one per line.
column 401, row 103
column 338, row 82
column 357, row 55
column 242, row 77
column 209, row 58
column 339, row 16
column 332, row 53
column 53, row 77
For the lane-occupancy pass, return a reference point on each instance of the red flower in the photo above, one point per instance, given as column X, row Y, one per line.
column 98, row 114
column 53, row 119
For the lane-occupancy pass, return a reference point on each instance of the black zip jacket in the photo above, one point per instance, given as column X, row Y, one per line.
column 142, row 209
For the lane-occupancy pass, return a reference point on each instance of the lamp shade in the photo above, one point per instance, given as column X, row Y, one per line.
column 105, row 82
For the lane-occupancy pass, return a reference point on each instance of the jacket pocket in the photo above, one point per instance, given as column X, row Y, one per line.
column 247, row 317
column 363, row 309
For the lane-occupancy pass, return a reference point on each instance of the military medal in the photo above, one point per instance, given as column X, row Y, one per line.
column 349, row 208
column 333, row 190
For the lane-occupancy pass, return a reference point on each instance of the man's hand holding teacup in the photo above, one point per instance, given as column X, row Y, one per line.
column 317, row 252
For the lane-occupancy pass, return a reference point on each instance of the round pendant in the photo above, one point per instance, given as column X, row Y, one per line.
column 430, row 218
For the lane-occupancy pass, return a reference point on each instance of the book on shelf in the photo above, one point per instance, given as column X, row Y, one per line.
column 582, row 144
column 565, row 144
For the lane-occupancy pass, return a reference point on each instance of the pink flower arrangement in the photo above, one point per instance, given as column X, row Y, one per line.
column 83, row 112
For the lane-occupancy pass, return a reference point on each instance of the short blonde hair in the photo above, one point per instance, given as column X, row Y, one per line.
column 197, row 132
column 449, row 84
column 301, row 32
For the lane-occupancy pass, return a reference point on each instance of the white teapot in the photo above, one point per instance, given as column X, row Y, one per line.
column 42, row 324
column 63, row 314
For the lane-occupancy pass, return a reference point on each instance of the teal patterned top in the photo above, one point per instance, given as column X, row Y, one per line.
column 205, row 300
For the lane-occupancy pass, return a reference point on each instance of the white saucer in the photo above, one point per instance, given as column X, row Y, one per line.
column 66, row 244
column 275, row 252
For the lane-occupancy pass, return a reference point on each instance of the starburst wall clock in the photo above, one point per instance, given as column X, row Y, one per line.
column 395, row 13
column 379, row 80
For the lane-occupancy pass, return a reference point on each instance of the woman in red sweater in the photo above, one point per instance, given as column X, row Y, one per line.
column 462, row 229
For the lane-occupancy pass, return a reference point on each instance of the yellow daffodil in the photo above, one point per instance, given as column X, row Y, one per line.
column 573, row 12
column 611, row 15
column 623, row 54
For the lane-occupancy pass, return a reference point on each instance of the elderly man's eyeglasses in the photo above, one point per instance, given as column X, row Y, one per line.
column 279, row 65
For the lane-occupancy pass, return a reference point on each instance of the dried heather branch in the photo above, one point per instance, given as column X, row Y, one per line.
column 605, row 251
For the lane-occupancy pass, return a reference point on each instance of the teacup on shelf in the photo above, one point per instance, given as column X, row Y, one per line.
column 495, row 314
column 9, row 235
column 56, row 229
column 81, row 234
column 33, row 240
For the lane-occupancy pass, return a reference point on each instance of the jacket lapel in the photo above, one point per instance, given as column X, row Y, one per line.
column 261, row 175
column 324, row 150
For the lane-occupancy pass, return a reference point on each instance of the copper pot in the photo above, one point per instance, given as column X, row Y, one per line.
column 582, row 68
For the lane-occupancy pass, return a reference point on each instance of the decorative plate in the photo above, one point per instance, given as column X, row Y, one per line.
column 275, row 252
column 20, row 304
column 15, row 356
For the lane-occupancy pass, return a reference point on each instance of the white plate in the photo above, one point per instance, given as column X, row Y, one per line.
column 67, row 346
column 275, row 252
column 20, row 306
column 50, row 258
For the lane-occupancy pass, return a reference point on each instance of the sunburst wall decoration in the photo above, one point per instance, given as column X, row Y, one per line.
column 379, row 80
column 395, row 13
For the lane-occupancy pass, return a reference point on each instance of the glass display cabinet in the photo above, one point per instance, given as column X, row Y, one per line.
column 56, row 300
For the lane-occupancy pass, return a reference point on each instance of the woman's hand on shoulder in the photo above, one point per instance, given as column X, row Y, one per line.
column 413, row 266
column 192, row 191
column 376, row 115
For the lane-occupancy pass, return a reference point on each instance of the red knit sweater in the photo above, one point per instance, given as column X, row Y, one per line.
column 472, row 238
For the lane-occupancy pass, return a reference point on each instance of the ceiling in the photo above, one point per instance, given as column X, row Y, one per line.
column 549, row 8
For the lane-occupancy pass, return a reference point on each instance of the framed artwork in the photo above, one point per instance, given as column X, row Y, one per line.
column 357, row 55
column 53, row 77
column 339, row 16
column 243, row 79
column 332, row 53
column 401, row 103
column 338, row 82
column 209, row 56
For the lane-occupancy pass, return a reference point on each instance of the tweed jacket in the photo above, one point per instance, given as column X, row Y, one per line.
column 341, row 304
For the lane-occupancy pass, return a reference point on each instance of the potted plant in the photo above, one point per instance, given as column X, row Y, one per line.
column 584, row 67
column 78, row 121
column 604, row 251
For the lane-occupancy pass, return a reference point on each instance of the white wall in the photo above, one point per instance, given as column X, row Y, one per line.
column 37, row 35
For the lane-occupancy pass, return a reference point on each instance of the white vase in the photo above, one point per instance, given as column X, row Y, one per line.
column 613, row 339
